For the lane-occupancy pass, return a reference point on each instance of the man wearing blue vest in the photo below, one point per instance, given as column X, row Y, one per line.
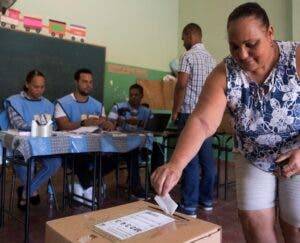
column 131, row 116
column 76, row 110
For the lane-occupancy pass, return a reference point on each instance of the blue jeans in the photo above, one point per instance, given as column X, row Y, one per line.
column 49, row 167
column 197, row 187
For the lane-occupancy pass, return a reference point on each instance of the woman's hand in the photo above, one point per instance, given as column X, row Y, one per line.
column 164, row 178
column 290, row 163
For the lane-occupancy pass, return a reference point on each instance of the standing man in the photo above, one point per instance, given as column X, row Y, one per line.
column 76, row 110
column 194, row 67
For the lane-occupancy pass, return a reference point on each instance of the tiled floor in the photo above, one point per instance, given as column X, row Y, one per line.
column 224, row 214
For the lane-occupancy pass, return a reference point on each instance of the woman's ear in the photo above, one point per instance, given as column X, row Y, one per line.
column 270, row 33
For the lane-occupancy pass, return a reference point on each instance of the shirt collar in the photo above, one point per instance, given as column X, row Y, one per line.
column 198, row 45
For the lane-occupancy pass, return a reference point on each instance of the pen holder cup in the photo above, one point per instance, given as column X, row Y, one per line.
column 41, row 130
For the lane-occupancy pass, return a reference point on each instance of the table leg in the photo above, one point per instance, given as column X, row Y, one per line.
column 130, row 175
column 26, row 236
column 94, row 181
column 100, row 184
column 64, row 183
column 3, row 172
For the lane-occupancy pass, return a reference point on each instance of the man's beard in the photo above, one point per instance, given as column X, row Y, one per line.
column 83, row 93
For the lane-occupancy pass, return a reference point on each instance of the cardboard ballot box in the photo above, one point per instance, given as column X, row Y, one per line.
column 133, row 222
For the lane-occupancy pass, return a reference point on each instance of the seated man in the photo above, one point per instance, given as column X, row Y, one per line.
column 131, row 116
column 80, row 109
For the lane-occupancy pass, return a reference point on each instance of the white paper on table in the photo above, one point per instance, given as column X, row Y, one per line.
column 25, row 133
column 82, row 130
column 166, row 203
column 133, row 224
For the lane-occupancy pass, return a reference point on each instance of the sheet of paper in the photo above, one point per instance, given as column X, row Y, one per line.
column 133, row 224
column 25, row 134
column 83, row 130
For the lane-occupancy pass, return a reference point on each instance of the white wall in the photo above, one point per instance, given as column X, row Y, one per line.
column 296, row 19
column 212, row 17
column 147, row 33
column 140, row 33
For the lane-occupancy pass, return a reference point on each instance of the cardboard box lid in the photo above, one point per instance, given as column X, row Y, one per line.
column 78, row 228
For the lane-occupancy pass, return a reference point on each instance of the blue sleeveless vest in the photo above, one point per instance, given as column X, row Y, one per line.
column 28, row 108
column 125, row 111
column 75, row 109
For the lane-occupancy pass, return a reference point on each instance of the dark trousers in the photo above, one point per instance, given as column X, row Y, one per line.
column 83, row 168
column 197, row 183
column 157, row 156
column 133, row 157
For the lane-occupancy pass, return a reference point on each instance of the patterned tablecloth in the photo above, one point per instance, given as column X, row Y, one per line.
column 65, row 142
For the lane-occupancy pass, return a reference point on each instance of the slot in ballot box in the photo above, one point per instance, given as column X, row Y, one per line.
column 133, row 222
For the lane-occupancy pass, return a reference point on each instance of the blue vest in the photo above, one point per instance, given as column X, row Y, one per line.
column 125, row 111
column 28, row 108
column 75, row 109
column 4, row 122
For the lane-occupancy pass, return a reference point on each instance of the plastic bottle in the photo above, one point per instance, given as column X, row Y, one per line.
column 50, row 196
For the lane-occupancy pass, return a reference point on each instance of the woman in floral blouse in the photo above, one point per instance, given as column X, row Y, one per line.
column 259, row 83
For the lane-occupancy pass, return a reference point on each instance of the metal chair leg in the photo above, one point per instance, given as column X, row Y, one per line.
column 54, row 194
column 12, row 193
column 65, row 185
column 226, row 174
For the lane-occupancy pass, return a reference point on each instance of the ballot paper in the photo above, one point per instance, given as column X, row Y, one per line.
column 166, row 203
column 133, row 224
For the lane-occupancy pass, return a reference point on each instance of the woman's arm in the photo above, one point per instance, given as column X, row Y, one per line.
column 202, row 124
column 17, row 121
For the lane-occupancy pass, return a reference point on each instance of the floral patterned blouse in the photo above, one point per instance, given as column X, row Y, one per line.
column 266, row 117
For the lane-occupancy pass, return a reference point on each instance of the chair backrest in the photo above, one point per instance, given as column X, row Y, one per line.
column 4, row 122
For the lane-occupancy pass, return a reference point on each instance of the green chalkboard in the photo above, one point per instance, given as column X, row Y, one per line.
column 58, row 59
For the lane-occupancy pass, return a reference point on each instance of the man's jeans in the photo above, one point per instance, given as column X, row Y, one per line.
column 49, row 167
column 197, row 187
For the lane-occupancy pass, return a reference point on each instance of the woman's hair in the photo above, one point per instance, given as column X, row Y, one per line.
column 247, row 10
column 30, row 76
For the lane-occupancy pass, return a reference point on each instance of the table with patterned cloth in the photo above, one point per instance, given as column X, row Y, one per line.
column 64, row 143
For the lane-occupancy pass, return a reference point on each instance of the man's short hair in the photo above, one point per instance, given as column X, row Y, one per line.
column 192, row 28
column 138, row 87
column 80, row 71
